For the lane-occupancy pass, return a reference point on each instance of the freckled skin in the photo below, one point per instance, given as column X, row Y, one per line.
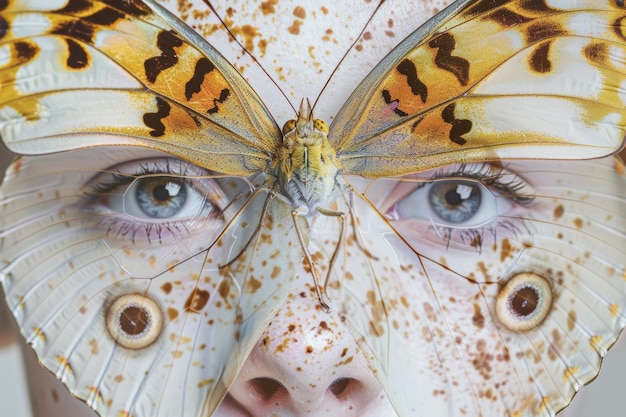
column 434, row 318
column 294, row 354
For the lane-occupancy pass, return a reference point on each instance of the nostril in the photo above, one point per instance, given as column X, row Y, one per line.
column 340, row 385
column 266, row 387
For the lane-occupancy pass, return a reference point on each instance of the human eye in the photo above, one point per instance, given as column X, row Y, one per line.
column 469, row 205
column 157, row 200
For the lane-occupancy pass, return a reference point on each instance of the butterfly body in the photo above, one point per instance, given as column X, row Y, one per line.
column 307, row 166
column 159, row 229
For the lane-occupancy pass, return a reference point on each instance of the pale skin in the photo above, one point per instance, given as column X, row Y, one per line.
column 328, row 341
column 50, row 398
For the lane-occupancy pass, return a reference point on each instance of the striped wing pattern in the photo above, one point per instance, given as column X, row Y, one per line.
column 141, row 80
column 491, row 80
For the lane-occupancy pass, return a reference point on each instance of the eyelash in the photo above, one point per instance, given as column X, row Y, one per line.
column 510, row 189
column 119, row 179
column 153, row 231
column 483, row 174
column 493, row 177
column 475, row 237
column 489, row 175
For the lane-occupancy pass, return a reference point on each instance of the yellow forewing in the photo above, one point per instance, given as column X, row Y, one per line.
column 127, row 48
column 492, row 80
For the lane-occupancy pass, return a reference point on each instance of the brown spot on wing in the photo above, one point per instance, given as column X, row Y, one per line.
column 578, row 222
column 543, row 30
column 393, row 103
column 206, row 382
column 482, row 360
column 459, row 126
column 94, row 346
column 252, row 285
column 224, row 94
column 418, row 88
column 167, row 42
column 172, row 313
column 154, row 120
column 478, row 319
column 444, row 59
column 267, row 7
column 224, row 289
column 25, row 51
column 507, row 18
column 540, row 59
column 294, row 29
column 299, row 12
column 506, row 250
column 618, row 27
column 77, row 55
column 596, row 52
column 4, row 27
column 194, row 85
column 167, row 287
column 81, row 30
column 196, row 300
column 571, row 320
column 129, row 7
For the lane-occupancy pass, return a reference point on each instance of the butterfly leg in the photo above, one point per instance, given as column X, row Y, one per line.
column 358, row 238
column 342, row 232
column 320, row 289
column 254, row 234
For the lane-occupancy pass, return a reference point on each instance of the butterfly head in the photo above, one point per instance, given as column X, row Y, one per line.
column 306, row 129
column 306, row 164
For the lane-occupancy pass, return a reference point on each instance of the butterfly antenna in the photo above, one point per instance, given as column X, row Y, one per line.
column 250, row 54
column 345, row 55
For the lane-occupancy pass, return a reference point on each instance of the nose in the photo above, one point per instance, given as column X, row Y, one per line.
column 306, row 364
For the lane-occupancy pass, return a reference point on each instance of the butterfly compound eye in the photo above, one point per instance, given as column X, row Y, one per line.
column 321, row 125
column 524, row 302
column 134, row 321
column 289, row 126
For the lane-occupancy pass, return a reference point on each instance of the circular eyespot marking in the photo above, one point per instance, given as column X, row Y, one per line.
column 524, row 302
column 134, row 321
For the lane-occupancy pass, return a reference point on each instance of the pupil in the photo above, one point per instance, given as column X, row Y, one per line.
column 453, row 198
column 160, row 193
column 455, row 201
column 525, row 301
column 160, row 198
column 134, row 320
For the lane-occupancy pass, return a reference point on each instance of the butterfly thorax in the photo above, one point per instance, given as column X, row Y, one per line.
column 306, row 164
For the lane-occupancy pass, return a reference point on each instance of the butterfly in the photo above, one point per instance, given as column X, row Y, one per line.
column 461, row 219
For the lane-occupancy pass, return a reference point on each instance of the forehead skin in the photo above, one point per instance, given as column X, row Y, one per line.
column 300, row 43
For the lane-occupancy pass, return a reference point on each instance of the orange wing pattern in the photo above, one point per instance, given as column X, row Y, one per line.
column 128, row 74
column 492, row 80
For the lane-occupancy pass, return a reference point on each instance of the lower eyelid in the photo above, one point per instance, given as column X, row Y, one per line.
column 122, row 227
column 105, row 207
column 509, row 202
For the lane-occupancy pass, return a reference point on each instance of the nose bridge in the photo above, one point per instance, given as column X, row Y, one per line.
column 306, row 364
